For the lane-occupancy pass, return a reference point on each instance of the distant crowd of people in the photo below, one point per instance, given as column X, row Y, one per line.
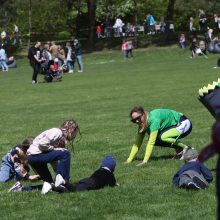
column 53, row 59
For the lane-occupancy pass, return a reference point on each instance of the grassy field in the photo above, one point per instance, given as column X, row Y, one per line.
column 100, row 100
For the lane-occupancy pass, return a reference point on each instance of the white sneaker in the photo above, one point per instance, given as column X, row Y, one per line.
column 17, row 187
column 80, row 71
column 70, row 71
column 33, row 82
column 46, row 188
column 59, row 180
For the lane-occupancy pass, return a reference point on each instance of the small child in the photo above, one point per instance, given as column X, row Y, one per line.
column 193, row 174
column 3, row 56
column 15, row 163
column 99, row 31
column 102, row 177
column 124, row 49
column 182, row 41
column 193, row 47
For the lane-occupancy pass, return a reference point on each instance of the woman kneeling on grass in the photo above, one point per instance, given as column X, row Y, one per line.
column 164, row 127
column 49, row 147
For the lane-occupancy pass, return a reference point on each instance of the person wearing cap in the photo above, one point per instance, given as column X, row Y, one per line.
column 78, row 54
column 193, row 174
column 164, row 126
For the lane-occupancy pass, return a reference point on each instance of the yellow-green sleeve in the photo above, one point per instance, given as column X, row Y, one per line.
column 150, row 145
column 136, row 147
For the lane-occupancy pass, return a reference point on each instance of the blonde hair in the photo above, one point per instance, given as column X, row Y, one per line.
column 70, row 129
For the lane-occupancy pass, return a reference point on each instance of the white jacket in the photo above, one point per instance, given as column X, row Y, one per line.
column 45, row 141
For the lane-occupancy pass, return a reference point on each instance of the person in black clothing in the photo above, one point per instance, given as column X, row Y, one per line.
column 34, row 55
column 102, row 177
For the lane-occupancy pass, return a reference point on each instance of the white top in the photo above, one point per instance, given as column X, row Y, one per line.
column 2, row 54
column 45, row 141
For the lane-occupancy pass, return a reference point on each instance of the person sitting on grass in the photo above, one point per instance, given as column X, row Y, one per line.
column 15, row 164
column 50, row 147
column 164, row 127
column 193, row 174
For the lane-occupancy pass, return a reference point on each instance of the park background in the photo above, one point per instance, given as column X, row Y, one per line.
column 100, row 100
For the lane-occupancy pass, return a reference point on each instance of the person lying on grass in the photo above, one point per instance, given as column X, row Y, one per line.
column 193, row 174
column 50, row 147
column 15, row 163
column 164, row 126
column 102, row 177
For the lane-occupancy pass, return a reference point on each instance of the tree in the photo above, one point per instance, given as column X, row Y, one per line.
column 91, row 4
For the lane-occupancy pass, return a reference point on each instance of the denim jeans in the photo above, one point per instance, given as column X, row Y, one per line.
column 70, row 65
column 79, row 61
column 6, row 172
column 3, row 65
column 39, row 164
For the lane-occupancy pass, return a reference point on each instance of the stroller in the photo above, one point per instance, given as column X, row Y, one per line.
column 53, row 72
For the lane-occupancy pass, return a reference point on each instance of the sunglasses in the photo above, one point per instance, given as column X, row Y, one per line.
column 137, row 119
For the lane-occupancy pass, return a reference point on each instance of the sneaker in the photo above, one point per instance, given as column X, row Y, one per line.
column 60, row 188
column 33, row 82
column 46, row 188
column 16, row 188
column 80, row 71
column 183, row 152
column 200, row 182
column 192, row 185
column 70, row 71
column 59, row 180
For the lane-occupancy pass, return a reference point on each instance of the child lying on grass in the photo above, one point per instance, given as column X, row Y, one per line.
column 193, row 174
column 104, row 176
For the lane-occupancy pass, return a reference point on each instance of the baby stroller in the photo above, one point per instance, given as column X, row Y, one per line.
column 53, row 72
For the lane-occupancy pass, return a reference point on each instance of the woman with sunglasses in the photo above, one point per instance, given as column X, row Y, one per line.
column 164, row 126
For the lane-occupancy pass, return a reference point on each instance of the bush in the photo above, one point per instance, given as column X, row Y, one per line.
column 63, row 35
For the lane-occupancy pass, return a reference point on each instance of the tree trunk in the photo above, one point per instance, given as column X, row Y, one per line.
column 30, row 22
column 169, row 18
column 91, row 4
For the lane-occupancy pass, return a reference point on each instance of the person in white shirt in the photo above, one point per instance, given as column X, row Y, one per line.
column 3, row 57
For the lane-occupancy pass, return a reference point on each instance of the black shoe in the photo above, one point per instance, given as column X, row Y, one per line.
column 192, row 185
column 199, row 182
column 59, row 189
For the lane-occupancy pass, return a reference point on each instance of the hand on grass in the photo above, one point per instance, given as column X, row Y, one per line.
column 34, row 177
column 141, row 164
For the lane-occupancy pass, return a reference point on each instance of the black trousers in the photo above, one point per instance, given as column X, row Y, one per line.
column 36, row 69
column 84, row 185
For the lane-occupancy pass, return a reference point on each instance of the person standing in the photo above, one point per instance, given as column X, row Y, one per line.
column 209, row 151
column 164, row 126
column 16, row 35
column 34, row 56
column 78, row 54
column 202, row 21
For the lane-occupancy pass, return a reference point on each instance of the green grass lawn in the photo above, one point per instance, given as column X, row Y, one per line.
column 100, row 100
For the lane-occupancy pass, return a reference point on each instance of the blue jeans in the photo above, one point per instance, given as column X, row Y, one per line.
column 7, row 170
column 79, row 61
column 39, row 164
column 70, row 65
column 3, row 65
